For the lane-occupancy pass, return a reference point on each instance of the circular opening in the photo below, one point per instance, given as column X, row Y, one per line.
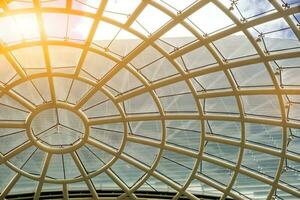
column 57, row 129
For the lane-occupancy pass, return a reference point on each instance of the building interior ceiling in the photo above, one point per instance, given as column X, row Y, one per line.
column 194, row 98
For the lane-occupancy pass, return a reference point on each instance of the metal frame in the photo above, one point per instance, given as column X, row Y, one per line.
column 148, row 87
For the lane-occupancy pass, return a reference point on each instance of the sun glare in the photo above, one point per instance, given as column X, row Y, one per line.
column 27, row 25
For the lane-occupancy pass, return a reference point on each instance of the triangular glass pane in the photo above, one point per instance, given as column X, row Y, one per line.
column 25, row 58
column 56, row 167
column 6, row 69
column 149, row 129
column 97, row 65
column 197, row 58
column 11, row 139
column 126, row 172
column 176, row 167
column 5, row 176
column 124, row 81
column 104, row 182
column 182, row 133
column 71, row 169
column 89, row 160
column 19, row 159
column 107, row 135
column 143, row 153
column 35, row 163
column 24, row 185
column 78, row 90
column 29, row 92
column 143, row 103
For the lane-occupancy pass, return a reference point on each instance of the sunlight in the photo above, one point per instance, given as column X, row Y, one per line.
column 27, row 25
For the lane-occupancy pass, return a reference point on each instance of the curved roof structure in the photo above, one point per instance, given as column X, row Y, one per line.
column 134, row 99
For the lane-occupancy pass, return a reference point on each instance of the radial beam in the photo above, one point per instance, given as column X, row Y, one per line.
column 83, row 172
column 42, row 177
column 90, row 37
column 46, row 54
column 10, row 185
column 17, row 150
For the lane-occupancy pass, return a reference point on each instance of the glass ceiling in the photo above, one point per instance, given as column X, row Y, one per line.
column 191, row 97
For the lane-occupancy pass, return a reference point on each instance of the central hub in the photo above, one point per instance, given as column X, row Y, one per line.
column 57, row 128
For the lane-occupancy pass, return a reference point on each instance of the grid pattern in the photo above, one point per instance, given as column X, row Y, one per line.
column 213, row 111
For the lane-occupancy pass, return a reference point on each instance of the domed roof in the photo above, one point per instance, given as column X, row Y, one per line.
column 149, row 99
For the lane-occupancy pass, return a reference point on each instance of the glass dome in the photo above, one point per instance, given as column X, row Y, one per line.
column 142, row 99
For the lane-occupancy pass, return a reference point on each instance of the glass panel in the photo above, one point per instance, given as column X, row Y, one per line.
column 245, row 8
column 175, row 38
column 56, row 169
column 197, row 58
column 11, row 110
column 89, row 160
column 146, row 18
column 57, row 30
column 252, row 75
column 20, row 159
column 140, row 104
column 146, row 57
column 24, row 185
column 158, row 70
column 184, row 133
column 290, row 76
column 218, row 19
column 19, row 5
column 70, row 168
column 126, row 172
column 261, row 163
column 262, row 105
column 213, row 171
column 11, row 139
column 7, row 72
column 5, row 176
column 149, row 129
column 64, row 56
column 102, row 109
column 27, row 25
column 179, row 103
column 158, row 185
column 222, row 151
column 29, row 92
column 86, row 5
column 264, row 134
column 77, row 91
column 124, row 81
column 35, row 163
column 220, row 105
column 79, row 27
column 123, row 43
column 111, row 135
column 26, row 60
column 224, row 128
column 120, row 10
column 104, row 182
column 290, row 174
column 101, row 155
column 55, row 3
column 97, row 65
column 294, row 141
column 175, row 166
column 235, row 46
column 251, row 187
column 211, row 81
column 143, row 153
